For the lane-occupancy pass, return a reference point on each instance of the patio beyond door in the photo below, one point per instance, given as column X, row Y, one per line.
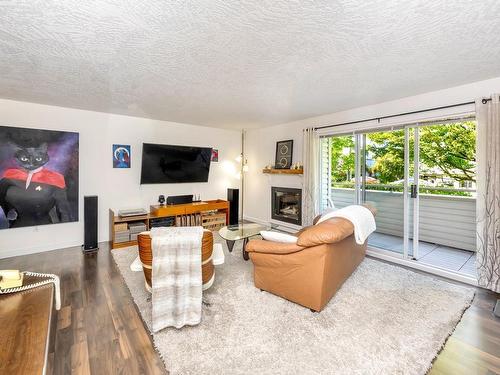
column 421, row 179
column 383, row 184
column 391, row 160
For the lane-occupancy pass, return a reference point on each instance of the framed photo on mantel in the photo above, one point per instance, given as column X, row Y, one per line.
column 284, row 152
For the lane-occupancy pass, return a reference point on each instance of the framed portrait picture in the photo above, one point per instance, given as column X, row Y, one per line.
column 284, row 151
column 215, row 155
column 121, row 156
column 38, row 177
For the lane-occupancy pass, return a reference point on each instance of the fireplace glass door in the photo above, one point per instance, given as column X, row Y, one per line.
column 286, row 205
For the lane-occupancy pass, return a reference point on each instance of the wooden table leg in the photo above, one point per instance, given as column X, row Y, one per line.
column 245, row 253
column 230, row 245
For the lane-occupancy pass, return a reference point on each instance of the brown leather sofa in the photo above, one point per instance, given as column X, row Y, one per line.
column 313, row 270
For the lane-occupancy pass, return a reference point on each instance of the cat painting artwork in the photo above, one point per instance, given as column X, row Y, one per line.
column 38, row 177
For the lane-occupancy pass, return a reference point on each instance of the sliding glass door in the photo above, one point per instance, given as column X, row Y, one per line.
column 421, row 179
column 382, row 184
column 370, row 168
column 445, row 229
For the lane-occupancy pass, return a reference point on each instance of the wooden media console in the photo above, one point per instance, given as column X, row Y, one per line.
column 210, row 214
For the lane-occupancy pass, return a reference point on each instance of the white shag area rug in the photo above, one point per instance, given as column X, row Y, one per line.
column 384, row 320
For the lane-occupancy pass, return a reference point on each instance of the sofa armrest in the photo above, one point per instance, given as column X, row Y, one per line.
column 329, row 231
column 271, row 247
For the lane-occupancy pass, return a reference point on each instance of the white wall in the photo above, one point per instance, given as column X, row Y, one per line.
column 260, row 144
column 260, row 150
column 116, row 188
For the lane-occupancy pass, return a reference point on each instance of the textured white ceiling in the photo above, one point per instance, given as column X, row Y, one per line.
column 241, row 63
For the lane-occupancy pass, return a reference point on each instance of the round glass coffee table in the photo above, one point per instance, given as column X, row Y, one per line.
column 233, row 233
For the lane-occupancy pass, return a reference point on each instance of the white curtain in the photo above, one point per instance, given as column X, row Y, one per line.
column 310, row 201
column 488, row 193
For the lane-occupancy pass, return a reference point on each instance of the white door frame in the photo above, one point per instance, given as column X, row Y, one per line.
column 416, row 182
column 406, row 199
column 410, row 201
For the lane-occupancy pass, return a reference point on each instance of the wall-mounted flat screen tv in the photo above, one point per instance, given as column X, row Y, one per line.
column 164, row 164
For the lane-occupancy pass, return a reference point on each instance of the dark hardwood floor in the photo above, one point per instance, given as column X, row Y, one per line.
column 99, row 331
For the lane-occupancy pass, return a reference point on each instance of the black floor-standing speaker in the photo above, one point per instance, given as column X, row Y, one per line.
column 90, row 224
column 233, row 196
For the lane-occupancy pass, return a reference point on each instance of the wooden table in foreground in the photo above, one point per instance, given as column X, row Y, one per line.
column 25, row 330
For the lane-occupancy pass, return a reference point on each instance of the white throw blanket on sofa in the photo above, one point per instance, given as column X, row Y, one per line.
column 361, row 217
column 177, row 279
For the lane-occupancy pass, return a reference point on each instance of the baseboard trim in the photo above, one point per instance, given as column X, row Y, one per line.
column 41, row 249
column 37, row 249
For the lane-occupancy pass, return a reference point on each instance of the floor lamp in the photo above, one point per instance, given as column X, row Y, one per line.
column 243, row 168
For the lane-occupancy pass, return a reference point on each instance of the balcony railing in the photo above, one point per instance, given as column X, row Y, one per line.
column 447, row 220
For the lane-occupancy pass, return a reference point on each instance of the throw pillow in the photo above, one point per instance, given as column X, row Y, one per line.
column 278, row 237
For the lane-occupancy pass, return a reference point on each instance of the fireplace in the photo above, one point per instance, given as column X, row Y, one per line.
column 286, row 205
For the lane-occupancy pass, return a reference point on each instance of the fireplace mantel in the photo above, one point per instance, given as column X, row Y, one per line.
column 283, row 171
